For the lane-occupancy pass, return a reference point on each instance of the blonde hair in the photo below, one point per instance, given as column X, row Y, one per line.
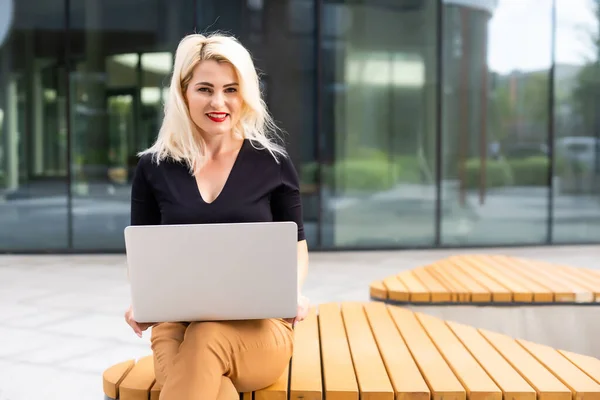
column 176, row 138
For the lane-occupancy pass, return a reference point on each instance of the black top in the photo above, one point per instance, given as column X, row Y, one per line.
column 258, row 189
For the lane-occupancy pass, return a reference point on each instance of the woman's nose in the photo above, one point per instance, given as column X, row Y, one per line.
column 217, row 100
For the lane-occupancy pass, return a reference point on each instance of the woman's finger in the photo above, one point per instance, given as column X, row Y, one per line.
column 132, row 323
column 136, row 328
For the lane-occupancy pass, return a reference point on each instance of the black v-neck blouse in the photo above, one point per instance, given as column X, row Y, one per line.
column 258, row 189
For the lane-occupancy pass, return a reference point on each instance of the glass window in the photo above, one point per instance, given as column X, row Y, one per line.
column 120, row 69
column 33, row 129
column 379, row 123
column 359, row 109
column 495, row 122
column 576, row 206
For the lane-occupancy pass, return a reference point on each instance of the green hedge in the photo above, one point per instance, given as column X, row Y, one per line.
column 497, row 174
column 532, row 171
column 376, row 173
column 363, row 174
column 529, row 171
column 379, row 173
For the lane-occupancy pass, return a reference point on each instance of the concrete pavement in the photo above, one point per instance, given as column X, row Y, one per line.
column 61, row 317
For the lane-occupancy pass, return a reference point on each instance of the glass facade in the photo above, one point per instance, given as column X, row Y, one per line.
column 496, row 123
column 412, row 123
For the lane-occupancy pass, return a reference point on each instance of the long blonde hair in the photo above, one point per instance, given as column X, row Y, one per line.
column 176, row 138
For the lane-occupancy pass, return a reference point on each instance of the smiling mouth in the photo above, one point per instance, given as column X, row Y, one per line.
column 217, row 117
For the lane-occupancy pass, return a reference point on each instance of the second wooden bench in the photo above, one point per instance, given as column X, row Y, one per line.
column 483, row 279
column 552, row 304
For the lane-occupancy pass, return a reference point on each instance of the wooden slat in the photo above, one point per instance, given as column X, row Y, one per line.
column 406, row 379
column 373, row 381
column 113, row 376
column 448, row 270
column 139, row 381
column 396, row 290
column 247, row 396
column 589, row 365
column 546, row 384
column 378, row 290
column 305, row 382
column 591, row 282
column 452, row 286
column 510, row 382
column 417, row 292
column 478, row 293
column 462, row 294
column 499, row 293
column 459, row 292
column 519, row 293
column 583, row 273
column 566, row 276
column 583, row 282
column 541, row 294
column 440, row 378
column 582, row 294
column 478, row 384
column 439, row 293
column 589, row 275
column 338, row 371
column 580, row 384
column 276, row 391
column 591, row 272
column 560, row 291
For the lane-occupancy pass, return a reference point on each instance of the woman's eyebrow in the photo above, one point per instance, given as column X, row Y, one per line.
column 211, row 85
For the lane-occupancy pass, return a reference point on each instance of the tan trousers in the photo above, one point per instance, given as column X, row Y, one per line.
column 219, row 360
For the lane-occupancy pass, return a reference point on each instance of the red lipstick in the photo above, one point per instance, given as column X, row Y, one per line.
column 217, row 117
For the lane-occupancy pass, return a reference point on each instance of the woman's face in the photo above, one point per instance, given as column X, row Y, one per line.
column 213, row 97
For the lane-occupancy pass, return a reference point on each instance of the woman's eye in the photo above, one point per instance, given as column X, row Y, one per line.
column 209, row 90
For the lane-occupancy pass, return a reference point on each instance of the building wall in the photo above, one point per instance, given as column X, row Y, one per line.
column 412, row 123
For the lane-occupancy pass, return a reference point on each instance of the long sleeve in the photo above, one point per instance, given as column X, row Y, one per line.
column 286, row 203
column 144, row 207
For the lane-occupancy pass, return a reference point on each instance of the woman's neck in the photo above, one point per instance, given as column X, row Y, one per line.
column 217, row 145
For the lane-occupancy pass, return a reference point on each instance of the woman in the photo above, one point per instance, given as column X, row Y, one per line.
column 215, row 161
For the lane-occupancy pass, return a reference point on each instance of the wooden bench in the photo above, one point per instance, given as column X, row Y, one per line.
column 483, row 279
column 519, row 297
column 379, row 351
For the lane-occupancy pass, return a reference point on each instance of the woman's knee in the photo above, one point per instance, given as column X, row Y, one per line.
column 202, row 334
column 206, row 344
column 167, row 334
column 165, row 341
column 203, row 329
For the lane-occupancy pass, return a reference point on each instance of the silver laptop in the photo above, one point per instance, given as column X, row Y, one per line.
column 212, row 272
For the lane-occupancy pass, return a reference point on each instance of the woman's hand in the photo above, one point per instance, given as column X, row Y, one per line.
column 301, row 311
column 138, row 328
column 303, row 306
